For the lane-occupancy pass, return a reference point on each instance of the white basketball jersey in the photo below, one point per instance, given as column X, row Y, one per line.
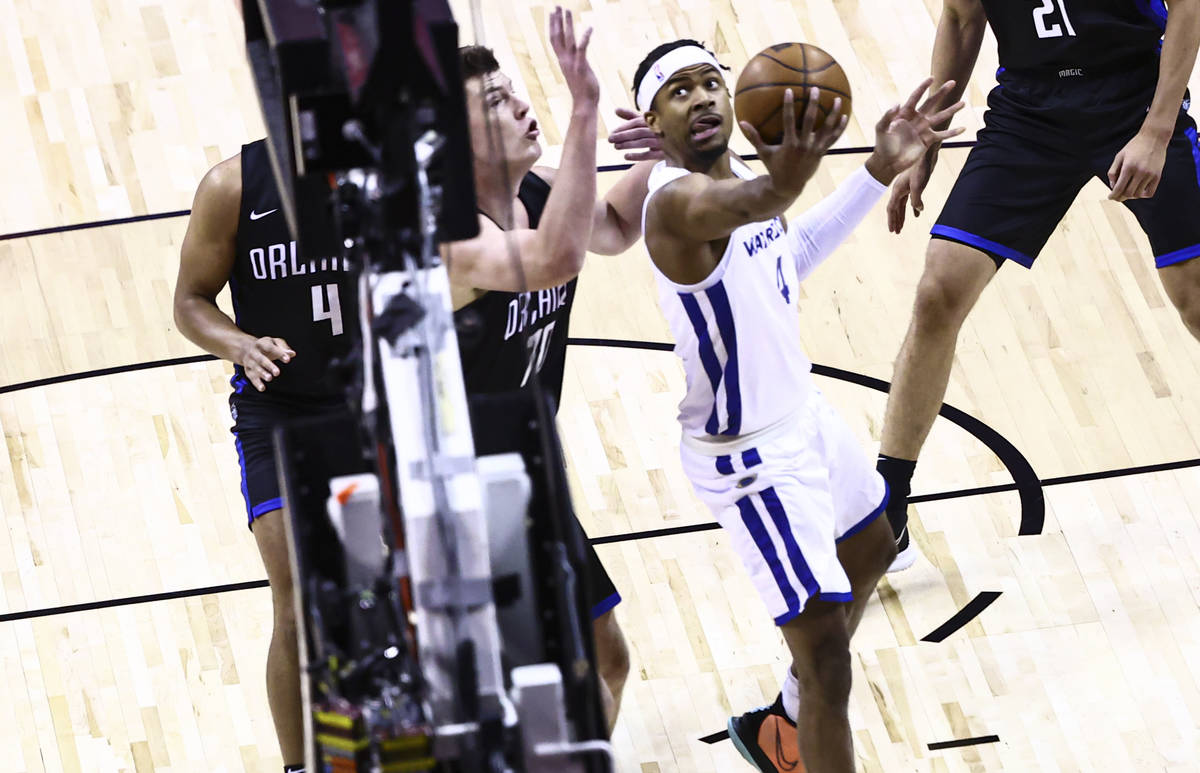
column 737, row 331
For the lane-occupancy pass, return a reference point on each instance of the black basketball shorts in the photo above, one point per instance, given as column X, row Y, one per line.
column 254, row 421
column 598, row 587
column 1043, row 139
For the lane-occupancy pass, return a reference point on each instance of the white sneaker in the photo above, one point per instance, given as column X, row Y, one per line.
column 906, row 554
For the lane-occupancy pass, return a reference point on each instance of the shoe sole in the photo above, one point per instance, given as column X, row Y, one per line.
column 904, row 559
column 737, row 744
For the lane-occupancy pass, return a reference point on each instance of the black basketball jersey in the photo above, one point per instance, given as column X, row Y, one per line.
column 308, row 302
column 504, row 337
column 1066, row 35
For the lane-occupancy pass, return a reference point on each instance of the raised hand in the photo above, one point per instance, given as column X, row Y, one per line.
column 904, row 136
column 572, row 58
column 633, row 134
column 794, row 160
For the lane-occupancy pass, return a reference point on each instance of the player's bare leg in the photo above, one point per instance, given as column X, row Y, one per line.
column 1182, row 283
column 283, row 659
column 954, row 277
column 951, row 283
column 612, row 664
column 768, row 736
column 865, row 557
column 819, row 641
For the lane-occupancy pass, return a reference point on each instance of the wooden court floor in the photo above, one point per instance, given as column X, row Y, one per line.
column 133, row 621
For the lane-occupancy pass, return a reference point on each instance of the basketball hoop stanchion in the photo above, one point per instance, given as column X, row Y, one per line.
column 409, row 662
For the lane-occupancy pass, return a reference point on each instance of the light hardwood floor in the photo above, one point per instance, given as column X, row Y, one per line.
column 124, row 485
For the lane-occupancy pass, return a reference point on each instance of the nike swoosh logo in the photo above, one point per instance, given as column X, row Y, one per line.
column 256, row 215
column 777, row 728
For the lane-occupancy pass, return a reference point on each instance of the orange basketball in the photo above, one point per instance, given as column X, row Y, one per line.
column 758, row 97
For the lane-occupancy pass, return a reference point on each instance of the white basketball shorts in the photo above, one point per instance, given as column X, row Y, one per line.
column 787, row 497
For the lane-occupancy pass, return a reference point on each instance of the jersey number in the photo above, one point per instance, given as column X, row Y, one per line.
column 781, row 281
column 539, row 343
column 332, row 310
column 1054, row 30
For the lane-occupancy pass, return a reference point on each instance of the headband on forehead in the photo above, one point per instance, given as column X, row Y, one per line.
column 667, row 65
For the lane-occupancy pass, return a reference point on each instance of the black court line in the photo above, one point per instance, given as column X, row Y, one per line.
column 933, row 747
column 964, row 742
column 104, row 372
column 667, row 532
column 58, row 229
column 1024, row 480
column 965, row 615
column 122, row 602
column 1083, row 477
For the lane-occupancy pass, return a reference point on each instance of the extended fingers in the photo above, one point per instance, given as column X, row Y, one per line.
column 810, row 112
column 946, row 134
column 633, row 130
column 841, row 127
column 935, row 99
column 789, row 116
column 895, row 209
column 886, row 119
column 753, row 135
column 556, row 30
column 835, row 124
column 945, row 114
column 911, row 102
column 634, row 137
column 648, row 140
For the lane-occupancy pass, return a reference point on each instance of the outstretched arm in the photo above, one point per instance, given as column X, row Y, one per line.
column 955, row 49
column 554, row 252
column 902, row 136
column 617, row 222
column 699, row 209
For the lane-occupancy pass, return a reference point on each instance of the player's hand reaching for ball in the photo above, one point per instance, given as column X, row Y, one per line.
column 257, row 358
column 796, row 157
column 572, row 59
column 634, row 134
column 906, row 145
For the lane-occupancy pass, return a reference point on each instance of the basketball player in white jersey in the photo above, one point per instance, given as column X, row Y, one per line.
column 779, row 469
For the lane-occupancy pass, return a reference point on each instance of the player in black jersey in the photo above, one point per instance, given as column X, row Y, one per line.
column 1087, row 88
column 291, row 317
column 512, row 314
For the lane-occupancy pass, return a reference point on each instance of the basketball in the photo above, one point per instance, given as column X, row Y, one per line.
column 758, row 96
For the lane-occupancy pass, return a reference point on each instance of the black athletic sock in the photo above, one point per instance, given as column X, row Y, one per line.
column 898, row 474
column 293, row 769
